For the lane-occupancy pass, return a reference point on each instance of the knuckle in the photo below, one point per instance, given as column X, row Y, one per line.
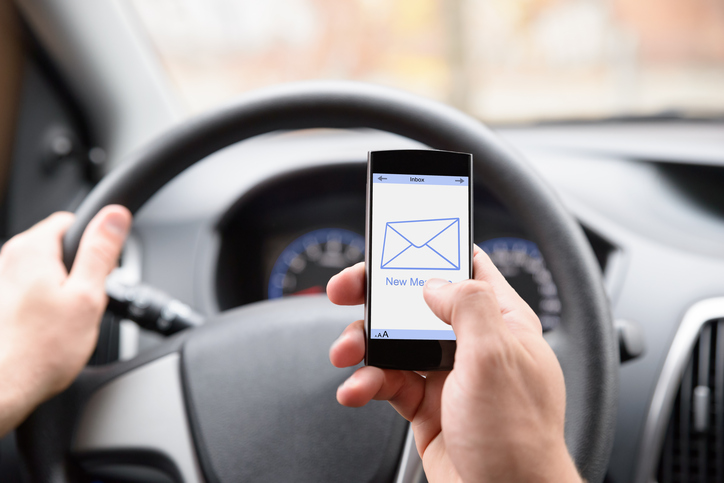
column 40, row 288
column 88, row 298
column 476, row 285
column 61, row 216
column 495, row 356
column 35, row 299
column 470, row 294
column 475, row 290
column 14, row 246
column 103, row 252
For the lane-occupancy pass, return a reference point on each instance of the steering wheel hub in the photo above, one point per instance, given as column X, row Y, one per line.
column 261, row 397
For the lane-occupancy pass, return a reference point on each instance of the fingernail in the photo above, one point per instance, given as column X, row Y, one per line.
column 434, row 283
column 117, row 224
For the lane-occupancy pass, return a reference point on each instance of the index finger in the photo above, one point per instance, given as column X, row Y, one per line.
column 47, row 234
column 348, row 286
column 486, row 271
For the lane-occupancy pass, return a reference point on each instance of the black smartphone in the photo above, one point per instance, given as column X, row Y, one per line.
column 419, row 226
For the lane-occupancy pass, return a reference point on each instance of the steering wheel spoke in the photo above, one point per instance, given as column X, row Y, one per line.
column 141, row 411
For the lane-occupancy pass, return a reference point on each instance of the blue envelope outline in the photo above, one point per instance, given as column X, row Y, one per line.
column 397, row 228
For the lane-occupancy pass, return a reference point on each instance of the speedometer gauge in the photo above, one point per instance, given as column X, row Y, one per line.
column 521, row 264
column 307, row 264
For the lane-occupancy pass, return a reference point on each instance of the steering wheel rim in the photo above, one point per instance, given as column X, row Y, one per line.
column 584, row 341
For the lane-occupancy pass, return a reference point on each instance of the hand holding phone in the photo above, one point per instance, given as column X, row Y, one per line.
column 484, row 420
column 419, row 226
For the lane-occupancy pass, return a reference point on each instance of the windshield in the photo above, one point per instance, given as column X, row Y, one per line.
column 500, row 60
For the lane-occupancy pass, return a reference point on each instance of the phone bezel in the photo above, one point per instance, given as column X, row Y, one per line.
column 410, row 354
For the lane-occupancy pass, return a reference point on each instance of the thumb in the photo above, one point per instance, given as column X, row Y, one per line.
column 100, row 247
column 469, row 306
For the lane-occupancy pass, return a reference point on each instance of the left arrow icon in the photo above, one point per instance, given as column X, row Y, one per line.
column 381, row 178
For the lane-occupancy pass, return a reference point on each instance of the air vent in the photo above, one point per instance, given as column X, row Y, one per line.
column 693, row 449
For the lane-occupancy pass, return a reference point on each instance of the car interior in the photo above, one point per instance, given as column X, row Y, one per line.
column 237, row 132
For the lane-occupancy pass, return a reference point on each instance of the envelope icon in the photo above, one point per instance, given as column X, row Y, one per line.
column 422, row 245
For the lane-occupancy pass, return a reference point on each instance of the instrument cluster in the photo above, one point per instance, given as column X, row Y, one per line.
column 288, row 237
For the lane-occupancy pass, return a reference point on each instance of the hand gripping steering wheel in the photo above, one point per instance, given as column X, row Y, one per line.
column 250, row 395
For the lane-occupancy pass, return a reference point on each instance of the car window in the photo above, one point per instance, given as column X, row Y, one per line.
column 500, row 60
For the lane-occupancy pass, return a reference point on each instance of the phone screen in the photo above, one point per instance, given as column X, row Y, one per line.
column 419, row 228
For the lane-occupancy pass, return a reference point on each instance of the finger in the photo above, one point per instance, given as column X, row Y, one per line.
column 469, row 306
column 48, row 233
column 57, row 223
column 36, row 253
column 348, row 286
column 427, row 419
column 484, row 269
column 403, row 389
column 349, row 348
column 101, row 245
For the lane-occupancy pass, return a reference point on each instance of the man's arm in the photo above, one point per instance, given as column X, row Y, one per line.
column 49, row 319
column 499, row 414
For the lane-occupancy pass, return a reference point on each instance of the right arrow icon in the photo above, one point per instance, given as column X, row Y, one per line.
column 459, row 180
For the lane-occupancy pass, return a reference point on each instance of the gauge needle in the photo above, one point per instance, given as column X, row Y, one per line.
column 311, row 290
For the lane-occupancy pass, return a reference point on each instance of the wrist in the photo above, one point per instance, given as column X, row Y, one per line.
column 551, row 465
column 563, row 468
column 522, row 462
column 17, row 395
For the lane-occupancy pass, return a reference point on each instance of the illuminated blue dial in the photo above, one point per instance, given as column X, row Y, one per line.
column 523, row 266
column 307, row 264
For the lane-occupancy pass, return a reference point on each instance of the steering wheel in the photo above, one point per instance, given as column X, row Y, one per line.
column 250, row 395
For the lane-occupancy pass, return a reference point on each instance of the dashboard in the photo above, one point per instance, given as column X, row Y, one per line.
column 279, row 214
column 307, row 225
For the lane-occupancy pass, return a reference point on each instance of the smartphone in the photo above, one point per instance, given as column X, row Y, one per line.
column 418, row 226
